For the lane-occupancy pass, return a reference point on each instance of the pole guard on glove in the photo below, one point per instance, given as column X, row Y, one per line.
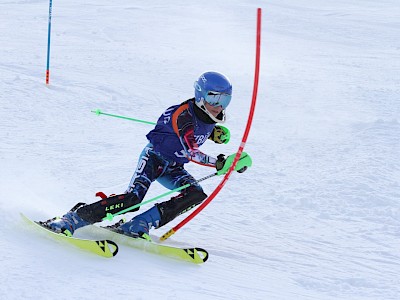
column 223, row 164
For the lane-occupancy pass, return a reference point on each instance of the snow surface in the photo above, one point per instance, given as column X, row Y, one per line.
column 316, row 217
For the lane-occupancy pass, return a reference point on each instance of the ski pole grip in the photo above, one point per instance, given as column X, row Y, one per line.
column 167, row 235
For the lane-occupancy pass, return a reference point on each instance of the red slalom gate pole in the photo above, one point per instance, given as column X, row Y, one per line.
column 242, row 144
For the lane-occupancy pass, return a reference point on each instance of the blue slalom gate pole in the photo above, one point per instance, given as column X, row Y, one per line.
column 48, row 44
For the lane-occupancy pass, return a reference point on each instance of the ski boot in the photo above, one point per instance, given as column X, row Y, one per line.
column 140, row 225
column 68, row 223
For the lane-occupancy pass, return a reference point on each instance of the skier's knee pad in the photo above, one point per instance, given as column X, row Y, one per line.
column 180, row 204
column 95, row 212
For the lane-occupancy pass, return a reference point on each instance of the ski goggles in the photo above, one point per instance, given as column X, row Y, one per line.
column 218, row 99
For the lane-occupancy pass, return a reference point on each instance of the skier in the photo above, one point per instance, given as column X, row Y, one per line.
column 174, row 141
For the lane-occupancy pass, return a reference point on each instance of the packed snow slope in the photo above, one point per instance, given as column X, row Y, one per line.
column 316, row 217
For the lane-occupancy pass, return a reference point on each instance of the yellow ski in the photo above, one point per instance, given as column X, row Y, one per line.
column 193, row 255
column 105, row 248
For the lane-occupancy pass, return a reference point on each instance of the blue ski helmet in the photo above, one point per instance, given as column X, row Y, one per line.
column 215, row 89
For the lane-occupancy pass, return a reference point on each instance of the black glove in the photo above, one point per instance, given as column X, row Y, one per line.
column 220, row 162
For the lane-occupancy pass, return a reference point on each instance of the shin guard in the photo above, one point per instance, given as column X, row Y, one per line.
column 95, row 212
column 178, row 205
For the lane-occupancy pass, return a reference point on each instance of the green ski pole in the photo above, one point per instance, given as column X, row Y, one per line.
column 99, row 112
column 110, row 216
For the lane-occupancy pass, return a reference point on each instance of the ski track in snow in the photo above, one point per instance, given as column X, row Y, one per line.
column 316, row 217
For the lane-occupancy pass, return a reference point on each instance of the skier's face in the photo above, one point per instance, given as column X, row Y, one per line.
column 214, row 110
